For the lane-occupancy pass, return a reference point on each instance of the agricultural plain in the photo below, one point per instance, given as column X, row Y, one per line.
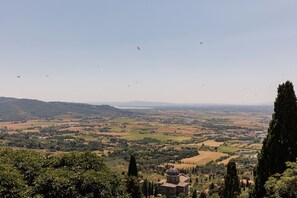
column 159, row 138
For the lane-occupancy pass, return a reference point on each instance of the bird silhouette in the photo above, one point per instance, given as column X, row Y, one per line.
column 201, row 43
column 18, row 76
column 138, row 48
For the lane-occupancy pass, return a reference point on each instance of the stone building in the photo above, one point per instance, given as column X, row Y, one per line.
column 174, row 184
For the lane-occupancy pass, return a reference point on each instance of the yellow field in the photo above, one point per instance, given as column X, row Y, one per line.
column 183, row 166
column 203, row 157
column 211, row 143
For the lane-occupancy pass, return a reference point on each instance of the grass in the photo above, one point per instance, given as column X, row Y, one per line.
column 25, row 125
column 203, row 157
column 211, row 143
column 183, row 166
column 123, row 120
column 159, row 136
column 227, row 149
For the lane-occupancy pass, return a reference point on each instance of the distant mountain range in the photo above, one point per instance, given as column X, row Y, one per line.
column 12, row 109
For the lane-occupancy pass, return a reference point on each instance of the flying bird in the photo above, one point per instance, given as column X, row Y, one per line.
column 201, row 43
column 18, row 76
column 138, row 48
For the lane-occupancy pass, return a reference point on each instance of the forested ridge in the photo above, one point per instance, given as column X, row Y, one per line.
column 12, row 109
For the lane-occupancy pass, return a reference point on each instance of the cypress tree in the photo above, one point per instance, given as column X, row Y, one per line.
column 132, row 171
column 203, row 195
column 149, row 188
column 232, row 185
column 280, row 145
column 194, row 194
column 145, row 188
column 156, row 191
column 152, row 189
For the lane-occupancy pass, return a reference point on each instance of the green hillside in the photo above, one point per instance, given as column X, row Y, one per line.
column 12, row 109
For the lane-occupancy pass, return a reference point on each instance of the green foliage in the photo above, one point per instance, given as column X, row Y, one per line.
column 56, row 183
column 283, row 185
column 11, row 181
column 232, row 185
column 280, row 145
column 152, row 154
column 133, row 187
column 214, row 195
column 31, row 174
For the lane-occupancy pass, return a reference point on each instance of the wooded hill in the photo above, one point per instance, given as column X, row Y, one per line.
column 12, row 109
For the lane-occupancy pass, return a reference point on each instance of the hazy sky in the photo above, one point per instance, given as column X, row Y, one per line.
column 89, row 51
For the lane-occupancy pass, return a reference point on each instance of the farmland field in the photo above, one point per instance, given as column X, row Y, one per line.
column 203, row 157
column 211, row 143
column 158, row 139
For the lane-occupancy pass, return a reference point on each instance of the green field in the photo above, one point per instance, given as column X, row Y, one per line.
column 132, row 136
column 227, row 149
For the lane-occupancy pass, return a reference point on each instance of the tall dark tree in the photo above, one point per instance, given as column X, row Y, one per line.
column 203, row 195
column 194, row 194
column 151, row 192
column 232, row 185
column 145, row 188
column 280, row 145
column 132, row 171
column 149, row 188
column 156, row 191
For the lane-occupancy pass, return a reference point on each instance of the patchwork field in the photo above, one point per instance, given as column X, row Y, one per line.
column 227, row 149
column 157, row 138
column 211, row 143
column 203, row 158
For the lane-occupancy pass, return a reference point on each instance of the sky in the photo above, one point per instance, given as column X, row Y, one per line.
column 86, row 51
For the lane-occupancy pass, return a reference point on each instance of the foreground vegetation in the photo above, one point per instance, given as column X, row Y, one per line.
column 26, row 173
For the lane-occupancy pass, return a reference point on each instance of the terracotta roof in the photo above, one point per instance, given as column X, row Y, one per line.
column 169, row 185
column 182, row 184
column 183, row 178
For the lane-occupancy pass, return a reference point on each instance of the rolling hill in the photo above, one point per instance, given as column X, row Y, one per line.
column 12, row 109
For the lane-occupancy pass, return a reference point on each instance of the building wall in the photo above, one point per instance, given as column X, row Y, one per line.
column 173, row 179
column 169, row 192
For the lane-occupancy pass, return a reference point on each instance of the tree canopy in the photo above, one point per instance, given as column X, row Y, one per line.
column 285, row 184
column 26, row 173
column 280, row 145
